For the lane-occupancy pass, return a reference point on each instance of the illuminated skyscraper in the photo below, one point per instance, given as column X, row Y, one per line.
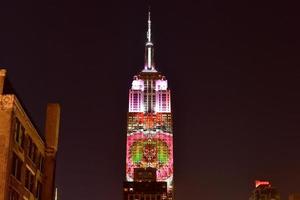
column 264, row 191
column 149, row 130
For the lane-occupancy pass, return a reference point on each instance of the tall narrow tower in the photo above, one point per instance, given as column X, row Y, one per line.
column 149, row 126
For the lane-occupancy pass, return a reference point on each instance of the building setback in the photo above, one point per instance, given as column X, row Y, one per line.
column 149, row 132
column 27, row 169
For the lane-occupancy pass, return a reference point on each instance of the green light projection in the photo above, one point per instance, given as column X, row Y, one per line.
column 155, row 151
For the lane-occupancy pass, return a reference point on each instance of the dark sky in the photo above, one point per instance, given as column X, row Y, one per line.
column 233, row 68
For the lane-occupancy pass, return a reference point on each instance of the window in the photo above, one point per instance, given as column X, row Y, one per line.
column 17, row 128
column 19, row 133
column 38, row 193
column 16, row 167
column 135, row 101
column 21, row 137
column 31, row 151
column 29, row 144
column 29, row 180
column 41, row 163
column 13, row 195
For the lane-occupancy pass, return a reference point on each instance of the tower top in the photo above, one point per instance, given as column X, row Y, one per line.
column 149, row 50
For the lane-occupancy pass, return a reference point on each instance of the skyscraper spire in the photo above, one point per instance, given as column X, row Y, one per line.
column 149, row 50
column 149, row 26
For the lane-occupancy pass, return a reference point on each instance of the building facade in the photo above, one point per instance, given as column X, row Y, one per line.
column 145, row 186
column 264, row 191
column 149, row 130
column 27, row 170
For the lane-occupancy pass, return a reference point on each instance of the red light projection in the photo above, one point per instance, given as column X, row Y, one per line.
column 150, row 151
column 258, row 183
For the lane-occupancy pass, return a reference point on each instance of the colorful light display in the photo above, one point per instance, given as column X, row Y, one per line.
column 149, row 130
column 150, row 150
column 149, row 133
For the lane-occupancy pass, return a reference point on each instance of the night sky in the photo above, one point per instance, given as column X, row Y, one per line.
column 233, row 68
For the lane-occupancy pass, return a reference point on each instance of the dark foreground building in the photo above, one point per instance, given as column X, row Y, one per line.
column 27, row 160
column 149, row 133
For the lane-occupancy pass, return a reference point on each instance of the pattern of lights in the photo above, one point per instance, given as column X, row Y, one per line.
column 149, row 136
column 150, row 150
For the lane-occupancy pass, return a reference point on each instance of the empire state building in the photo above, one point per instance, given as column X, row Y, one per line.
column 149, row 149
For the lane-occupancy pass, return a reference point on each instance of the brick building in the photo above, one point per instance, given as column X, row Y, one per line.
column 27, row 157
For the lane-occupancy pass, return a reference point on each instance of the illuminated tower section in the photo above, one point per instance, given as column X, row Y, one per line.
column 149, row 130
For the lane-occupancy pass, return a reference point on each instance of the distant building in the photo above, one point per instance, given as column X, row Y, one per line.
column 145, row 186
column 264, row 191
column 294, row 196
column 27, row 169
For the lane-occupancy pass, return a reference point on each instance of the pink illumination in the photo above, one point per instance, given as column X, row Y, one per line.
column 161, row 85
column 163, row 101
column 258, row 183
column 136, row 101
column 137, row 84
